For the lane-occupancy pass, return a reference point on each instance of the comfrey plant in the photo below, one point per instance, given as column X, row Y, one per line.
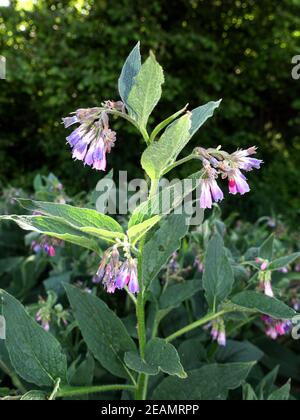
column 146, row 362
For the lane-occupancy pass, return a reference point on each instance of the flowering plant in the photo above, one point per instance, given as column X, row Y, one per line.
column 147, row 363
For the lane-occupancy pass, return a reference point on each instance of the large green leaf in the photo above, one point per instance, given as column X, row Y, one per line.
column 135, row 233
column 163, row 243
column 281, row 394
column 131, row 68
column 201, row 114
column 210, row 383
column 218, row 277
column 178, row 293
column 86, row 220
column 160, row 154
column 283, row 261
column 159, row 356
column 258, row 302
column 103, row 332
column 236, row 352
column 146, row 91
column 267, row 248
column 55, row 227
column 35, row 354
column 167, row 200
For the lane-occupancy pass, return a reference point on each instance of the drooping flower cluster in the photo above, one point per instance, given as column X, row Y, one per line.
column 228, row 166
column 50, row 311
column 276, row 328
column 265, row 277
column 115, row 274
column 92, row 139
column 218, row 332
column 47, row 245
column 198, row 263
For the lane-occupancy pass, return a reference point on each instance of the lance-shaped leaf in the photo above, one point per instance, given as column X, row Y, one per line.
column 210, row 383
column 267, row 248
column 159, row 356
column 103, row 332
column 163, row 243
column 218, row 277
column 130, row 70
column 258, row 302
column 146, row 91
column 201, row 114
column 160, row 154
column 283, row 261
column 35, row 354
column 55, row 227
column 166, row 200
column 135, row 233
column 86, row 220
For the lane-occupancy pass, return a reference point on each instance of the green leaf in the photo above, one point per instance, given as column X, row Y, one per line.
column 135, row 233
column 201, row 114
column 178, row 293
column 160, row 154
column 55, row 227
column 86, row 220
column 258, row 302
column 34, row 396
column 82, row 374
column 249, row 393
column 166, row 122
column 267, row 248
column 283, row 261
column 35, row 354
column 159, row 356
column 167, row 200
column 103, row 332
column 238, row 352
column 130, row 70
column 163, row 243
column 218, row 277
column 282, row 394
column 210, row 383
column 146, row 91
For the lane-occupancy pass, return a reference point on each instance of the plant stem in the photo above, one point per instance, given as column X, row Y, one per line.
column 14, row 378
column 180, row 162
column 154, row 187
column 76, row 391
column 140, row 312
column 196, row 324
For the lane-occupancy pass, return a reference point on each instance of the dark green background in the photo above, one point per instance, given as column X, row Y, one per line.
column 60, row 57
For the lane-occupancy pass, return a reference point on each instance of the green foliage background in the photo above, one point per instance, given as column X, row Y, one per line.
column 62, row 55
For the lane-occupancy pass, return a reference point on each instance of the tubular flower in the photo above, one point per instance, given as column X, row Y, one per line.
column 218, row 332
column 210, row 190
column 93, row 139
column 117, row 275
column 217, row 162
column 265, row 277
column 276, row 328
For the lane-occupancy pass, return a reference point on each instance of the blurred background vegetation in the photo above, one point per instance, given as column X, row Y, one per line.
column 62, row 55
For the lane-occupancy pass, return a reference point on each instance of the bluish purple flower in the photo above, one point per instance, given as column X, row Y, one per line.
column 238, row 183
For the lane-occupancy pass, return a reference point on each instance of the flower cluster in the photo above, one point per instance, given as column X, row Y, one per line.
column 49, row 310
column 47, row 245
column 92, row 139
column 198, row 263
column 276, row 328
column 114, row 274
column 228, row 166
column 218, row 332
column 265, row 277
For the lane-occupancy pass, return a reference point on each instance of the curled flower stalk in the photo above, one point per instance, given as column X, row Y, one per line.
column 276, row 328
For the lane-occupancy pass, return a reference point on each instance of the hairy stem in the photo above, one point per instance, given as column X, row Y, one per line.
column 76, row 391
column 196, row 324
